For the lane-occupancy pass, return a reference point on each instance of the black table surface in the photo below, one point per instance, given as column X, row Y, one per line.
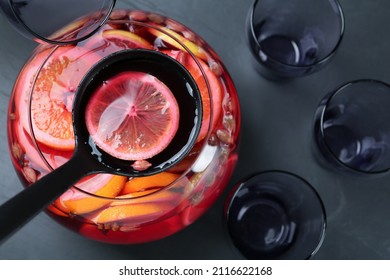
column 277, row 126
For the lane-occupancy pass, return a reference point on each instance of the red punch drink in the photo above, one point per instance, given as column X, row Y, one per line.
column 132, row 116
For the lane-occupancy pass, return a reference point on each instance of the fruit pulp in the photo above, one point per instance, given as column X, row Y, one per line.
column 111, row 208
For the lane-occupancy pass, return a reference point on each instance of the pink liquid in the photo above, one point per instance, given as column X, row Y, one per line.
column 112, row 208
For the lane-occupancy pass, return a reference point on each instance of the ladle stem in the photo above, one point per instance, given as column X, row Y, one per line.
column 24, row 206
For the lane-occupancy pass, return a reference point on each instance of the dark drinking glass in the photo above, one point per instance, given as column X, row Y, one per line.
column 352, row 126
column 293, row 38
column 275, row 215
column 41, row 20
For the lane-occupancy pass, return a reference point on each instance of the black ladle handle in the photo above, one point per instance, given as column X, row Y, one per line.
column 27, row 204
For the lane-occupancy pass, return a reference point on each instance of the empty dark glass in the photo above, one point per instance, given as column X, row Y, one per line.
column 352, row 126
column 293, row 38
column 41, row 19
column 275, row 215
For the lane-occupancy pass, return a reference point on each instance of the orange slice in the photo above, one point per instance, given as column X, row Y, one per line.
column 143, row 206
column 134, row 213
column 124, row 199
column 104, row 185
column 215, row 86
column 139, row 184
column 171, row 37
column 125, row 39
column 149, row 196
column 51, row 105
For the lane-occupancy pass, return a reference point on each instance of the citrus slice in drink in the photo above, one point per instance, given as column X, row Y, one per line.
column 125, row 39
column 158, row 180
column 142, row 206
column 157, row 195
column 100, row 188
column 25, row 83
column 53, row 92
column 132, row 116
column 211, row 101
column 173, row 38
column 134, row 213
column 112, row 40
column 129, row 209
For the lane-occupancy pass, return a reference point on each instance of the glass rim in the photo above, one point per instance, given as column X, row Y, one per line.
column 319, row 62
column 320, row 129
column 41, row 39
column 183, row 174
column 310, row 187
